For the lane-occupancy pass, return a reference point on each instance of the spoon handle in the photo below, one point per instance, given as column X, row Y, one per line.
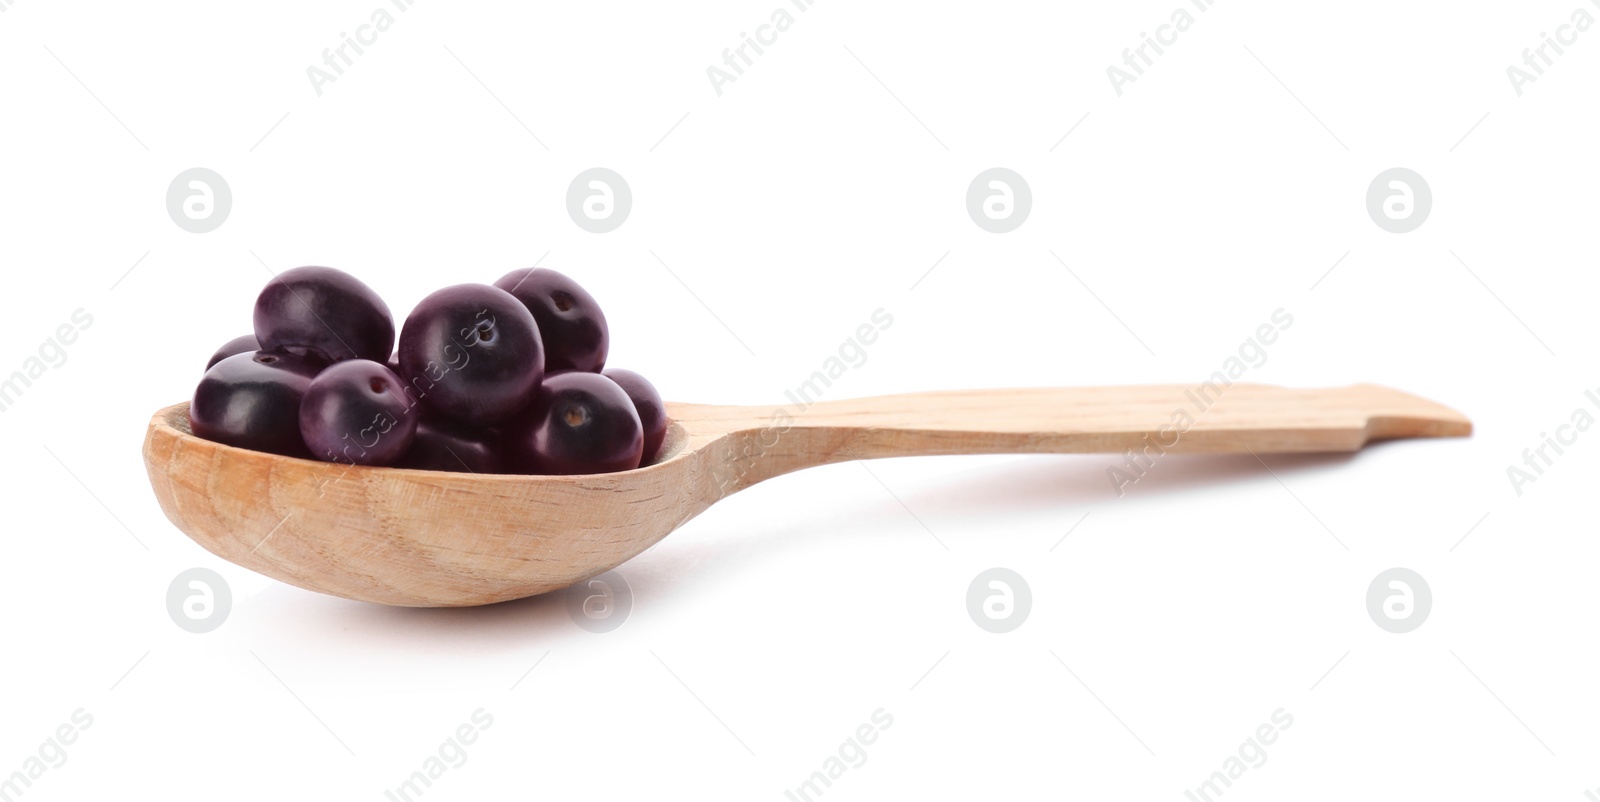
column 1213, row 418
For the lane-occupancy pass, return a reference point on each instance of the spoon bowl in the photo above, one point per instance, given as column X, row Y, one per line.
column 434, row 539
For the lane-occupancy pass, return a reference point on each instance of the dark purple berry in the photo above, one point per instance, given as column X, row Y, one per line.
column 253, row 401
column 356, row 412
column 242, row 344
column 444, row 446
column 647, row 402
column 472, row 353
column 324, row 311
column 581, row 423
column 573, row 327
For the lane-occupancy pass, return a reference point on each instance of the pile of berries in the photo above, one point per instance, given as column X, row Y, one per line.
column 502, row 378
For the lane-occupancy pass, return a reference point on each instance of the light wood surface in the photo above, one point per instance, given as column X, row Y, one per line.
column 430, row 539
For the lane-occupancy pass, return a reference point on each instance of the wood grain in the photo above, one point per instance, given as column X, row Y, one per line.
column 430, row 539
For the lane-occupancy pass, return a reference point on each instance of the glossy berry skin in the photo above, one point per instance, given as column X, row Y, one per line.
column 582, row 423
column 326, row 312
column 472, row 353
column 242, row 344
column 252, row 401
column 443, row 446
column 575, row 333
column 647, row 402
column 356, row 412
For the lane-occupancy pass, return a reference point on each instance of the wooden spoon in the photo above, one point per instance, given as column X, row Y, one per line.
column 431, row 539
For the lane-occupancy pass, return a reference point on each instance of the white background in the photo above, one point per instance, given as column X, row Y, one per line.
column 767, row 225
